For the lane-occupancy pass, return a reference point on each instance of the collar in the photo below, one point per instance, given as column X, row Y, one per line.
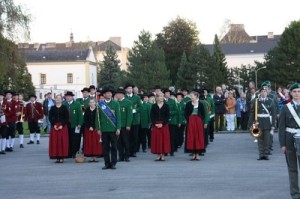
column 33, row 102
column 130, row 95
column 107, row 101
column 70, row 102
column 296, row 103
column 122, row 99
column 9, row 100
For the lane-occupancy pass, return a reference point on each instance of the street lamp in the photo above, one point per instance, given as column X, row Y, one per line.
column 256, row 74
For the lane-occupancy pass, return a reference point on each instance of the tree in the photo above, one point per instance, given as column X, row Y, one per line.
column 179, row 36
column 146, row 65
column 186, row 76
column 110, row 72
column 13, row 19
column 283, row 62
column 221, row 72
column 14, row 73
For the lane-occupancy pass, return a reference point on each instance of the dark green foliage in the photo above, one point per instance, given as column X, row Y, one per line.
column 146, row 65
column 110, row 72
column 14, row 73
column 179, row 36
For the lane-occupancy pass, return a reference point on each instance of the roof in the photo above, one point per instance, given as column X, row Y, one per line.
column 103, row 46
column 246, row 48
column 55, row 55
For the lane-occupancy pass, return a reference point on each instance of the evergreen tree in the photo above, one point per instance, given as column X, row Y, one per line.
column 186, row 76
column 179, row 36
column 283, row 62
column 146, row 65
column 221, row 71
column 110, row 72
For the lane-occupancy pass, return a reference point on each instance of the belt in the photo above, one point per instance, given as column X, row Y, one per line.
column 292, row 130
column 263, row 115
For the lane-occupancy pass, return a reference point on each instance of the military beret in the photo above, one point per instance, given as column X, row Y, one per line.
column 263, row 88
column 266, row 83
column 294, row 86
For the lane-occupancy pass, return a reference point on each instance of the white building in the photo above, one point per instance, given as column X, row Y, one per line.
column 58, row 71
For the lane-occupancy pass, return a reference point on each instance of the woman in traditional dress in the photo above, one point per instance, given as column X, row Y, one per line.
column 59, row 138
column 92, row 145
column 160, row 137
column 195, row 113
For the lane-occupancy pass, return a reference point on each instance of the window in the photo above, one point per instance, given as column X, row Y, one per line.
column 43, row 78
column 70, row 78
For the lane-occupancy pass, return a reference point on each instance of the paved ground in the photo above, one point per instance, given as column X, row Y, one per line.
column 229, row 170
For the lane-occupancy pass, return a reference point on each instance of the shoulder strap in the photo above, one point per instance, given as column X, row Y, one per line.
column 265, row 108
column 293, row 112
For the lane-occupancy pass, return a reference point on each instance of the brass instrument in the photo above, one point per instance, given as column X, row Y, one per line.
column 22, row 116
column 254, row 130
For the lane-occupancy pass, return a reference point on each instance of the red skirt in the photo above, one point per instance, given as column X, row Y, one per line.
column 59, row 143
column 91, row 145
column 195, row 134
column 160, row 140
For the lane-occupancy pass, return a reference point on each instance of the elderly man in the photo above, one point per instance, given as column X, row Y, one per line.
column 219, row 100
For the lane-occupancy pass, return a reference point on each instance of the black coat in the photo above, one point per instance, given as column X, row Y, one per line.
column 219, row 104
column 189, row 107
column 57, row 115
column 90, row 118
column 160, row 114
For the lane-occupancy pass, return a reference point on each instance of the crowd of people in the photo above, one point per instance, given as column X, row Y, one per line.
column 117, row 124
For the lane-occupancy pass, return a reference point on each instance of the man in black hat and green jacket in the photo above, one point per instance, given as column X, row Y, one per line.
column 75, row 123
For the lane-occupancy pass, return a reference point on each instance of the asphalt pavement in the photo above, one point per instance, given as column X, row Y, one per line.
column 229, row 170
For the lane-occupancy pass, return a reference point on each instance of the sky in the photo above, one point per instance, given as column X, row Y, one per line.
column 97, row 20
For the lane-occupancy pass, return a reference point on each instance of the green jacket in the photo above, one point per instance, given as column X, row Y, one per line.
column 264, row 122
column 181, row 117
column 145, row 115
column 205, row 105
column 105, row 124
column 83, row 102
column 136, row 108
column 173, row 111
column 75, row 113
column 212, row 105
column 186, row 100
column 126, row 112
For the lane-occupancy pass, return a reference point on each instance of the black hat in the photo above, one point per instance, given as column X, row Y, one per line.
column 151, row 95
column 167, row 90
column 85, row 89
column 185, row 89
column 9, row 91
column 92, row 87
column 128, row 85
column 1, row 92
column 108, row 89
column 32, row 95
column 120, row 90
column 179, row 94
column 205, row 89
column 69, row 93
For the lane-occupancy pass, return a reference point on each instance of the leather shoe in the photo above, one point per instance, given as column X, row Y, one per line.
column 113, row 167
column 266, row 158
column 30, row 142
column 2, row 152
column 21, row 146
column 261, row 158
column 38, row 142
column 105, row 167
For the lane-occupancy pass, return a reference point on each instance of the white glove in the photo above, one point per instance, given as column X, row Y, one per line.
column 272, row 132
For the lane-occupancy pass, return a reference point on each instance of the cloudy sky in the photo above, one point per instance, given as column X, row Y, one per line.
column 97, row 20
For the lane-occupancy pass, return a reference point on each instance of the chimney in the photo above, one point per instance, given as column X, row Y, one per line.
column 270, row 35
